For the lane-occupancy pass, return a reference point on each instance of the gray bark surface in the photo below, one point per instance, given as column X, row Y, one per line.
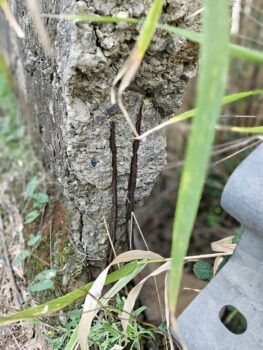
column 82, row 139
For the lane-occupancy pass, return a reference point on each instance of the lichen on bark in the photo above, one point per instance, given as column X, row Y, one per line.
column 82, row 139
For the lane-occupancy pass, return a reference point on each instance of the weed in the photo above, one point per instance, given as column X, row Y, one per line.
column 203, row 270
column 58, row 336
column 35, row 200
column 106, row 331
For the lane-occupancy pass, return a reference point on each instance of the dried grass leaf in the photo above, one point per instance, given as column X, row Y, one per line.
column 216, row 265
column 125, row 76
column 11, row 19
column 132, row 64
column 90, row 306
column 224, row 245
column 34, row 9
column 133, row 295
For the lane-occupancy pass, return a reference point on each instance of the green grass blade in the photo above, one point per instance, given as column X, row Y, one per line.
column 247, row 129
column 240, row 95
column 149, row 26
column 211, row 87
column 73, row 340
column 61, row 302
column 189, row 35
column 94, row 19
column 236, row 51
column 192, row 112
column 246, row 53
column 147, row 30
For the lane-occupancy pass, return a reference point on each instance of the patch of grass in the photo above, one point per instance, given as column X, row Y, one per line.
column 106, row 331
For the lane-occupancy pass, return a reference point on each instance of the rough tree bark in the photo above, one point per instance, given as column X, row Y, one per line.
column 82, row 139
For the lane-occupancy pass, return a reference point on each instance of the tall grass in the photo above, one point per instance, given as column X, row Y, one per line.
column 210, row 92
column 235, row 51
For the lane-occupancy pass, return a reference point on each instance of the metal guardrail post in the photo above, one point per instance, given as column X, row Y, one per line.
column 240, row 282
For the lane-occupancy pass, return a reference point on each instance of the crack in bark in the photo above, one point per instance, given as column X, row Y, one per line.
column 81, row 226
column 114, row 185
column 133, row 177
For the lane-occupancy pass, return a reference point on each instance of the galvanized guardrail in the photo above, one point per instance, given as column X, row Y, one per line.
column 240, row 282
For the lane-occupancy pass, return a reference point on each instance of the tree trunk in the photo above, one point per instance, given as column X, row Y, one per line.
column 83, row 140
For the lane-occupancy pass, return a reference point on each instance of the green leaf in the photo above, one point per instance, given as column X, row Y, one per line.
column 31, row 216
column 40, row 286
column 240, row 95
column 247, row 129
column 192, row 112
column 236, row 51
column 73, row 340
column 246, row 53
column 30, row 188
column 61, row 302
column 211, row 87
column 40, row 199
column 149, row 26
column 34, row 239
column 138, row 311
column 46, row 275
column 73, row 319
column 203, row 270
column 21, row 257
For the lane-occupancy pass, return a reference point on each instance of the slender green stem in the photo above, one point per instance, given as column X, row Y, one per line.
column 211, row 87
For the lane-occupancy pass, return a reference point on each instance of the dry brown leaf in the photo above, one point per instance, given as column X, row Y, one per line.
column 90, row 305
column 133, row 216
column 224, row 245
column 217, row 262
column 133, row 295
